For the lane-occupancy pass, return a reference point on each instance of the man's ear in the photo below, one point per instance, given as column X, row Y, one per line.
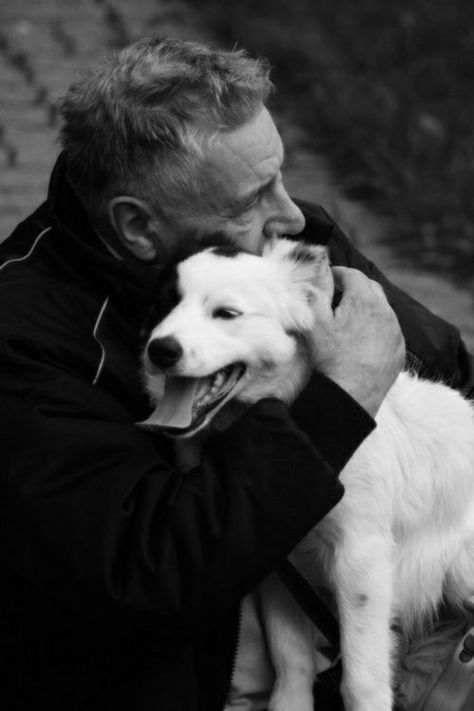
column 132, row 221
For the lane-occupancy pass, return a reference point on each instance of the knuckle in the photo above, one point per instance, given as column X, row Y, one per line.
column 378, row 288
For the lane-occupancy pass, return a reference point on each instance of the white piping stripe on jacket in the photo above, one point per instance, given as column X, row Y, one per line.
column 28, row 254
column 101, row 312
column 94, row 333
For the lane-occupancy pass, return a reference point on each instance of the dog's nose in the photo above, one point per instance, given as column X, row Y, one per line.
column 164, row 352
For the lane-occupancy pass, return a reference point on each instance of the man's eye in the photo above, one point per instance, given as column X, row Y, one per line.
column 244, row 210
column 252, row 203
column 225, row 313
column 245, row 215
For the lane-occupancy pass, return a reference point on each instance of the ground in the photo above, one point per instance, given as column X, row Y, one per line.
column 44, row 44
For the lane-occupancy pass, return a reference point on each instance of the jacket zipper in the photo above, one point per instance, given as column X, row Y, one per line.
column 236, row 641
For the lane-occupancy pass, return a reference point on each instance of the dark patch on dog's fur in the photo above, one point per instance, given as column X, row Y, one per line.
column 217, row 241
column 167, row 297
column 302, row 254
column 168, row 292
column 227, row 251
column 221, row 245
column 361, row 599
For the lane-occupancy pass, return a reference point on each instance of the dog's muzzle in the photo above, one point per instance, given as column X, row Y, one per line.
column 164, row 352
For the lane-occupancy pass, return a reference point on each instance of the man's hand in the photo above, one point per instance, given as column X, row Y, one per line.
column 359, row 345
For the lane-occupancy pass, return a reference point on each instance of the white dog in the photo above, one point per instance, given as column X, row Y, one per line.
column 402, row 538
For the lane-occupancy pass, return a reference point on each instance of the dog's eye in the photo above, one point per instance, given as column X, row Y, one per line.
column 225, row 313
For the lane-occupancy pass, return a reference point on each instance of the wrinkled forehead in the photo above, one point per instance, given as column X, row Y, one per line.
column 240, row 162
column 211, row 274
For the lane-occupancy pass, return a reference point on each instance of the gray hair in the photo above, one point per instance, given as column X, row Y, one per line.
column 136, row 122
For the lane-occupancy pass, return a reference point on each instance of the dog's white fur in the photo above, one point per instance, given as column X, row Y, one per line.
column 402, row 537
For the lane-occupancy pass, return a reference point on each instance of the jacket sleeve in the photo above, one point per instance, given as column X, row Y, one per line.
column 434, row 347
column 94, row 512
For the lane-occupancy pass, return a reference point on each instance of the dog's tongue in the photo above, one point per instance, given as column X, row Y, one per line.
column 175, row 408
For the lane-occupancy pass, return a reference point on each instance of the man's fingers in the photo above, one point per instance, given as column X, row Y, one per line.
column 358, row 292
column 344, row 276
column 359, row 344
column 353, row 281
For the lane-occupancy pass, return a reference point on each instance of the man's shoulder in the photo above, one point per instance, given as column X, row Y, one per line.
column 319, row 227
column 434, row 346
column 24, row 235
column 35, row 296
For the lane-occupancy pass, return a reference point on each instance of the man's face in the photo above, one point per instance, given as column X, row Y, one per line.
column 242, row 181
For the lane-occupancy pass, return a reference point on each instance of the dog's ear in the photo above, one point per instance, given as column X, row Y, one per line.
column 306, row 265
column 306, row 279
column 311, row 270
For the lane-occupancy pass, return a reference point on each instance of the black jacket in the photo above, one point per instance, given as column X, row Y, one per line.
column 121, row 578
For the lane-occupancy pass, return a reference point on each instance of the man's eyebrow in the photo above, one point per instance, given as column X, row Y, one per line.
column 255, row 192
column 240, row 202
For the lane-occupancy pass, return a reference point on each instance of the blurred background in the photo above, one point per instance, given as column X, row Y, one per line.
column 374, row 100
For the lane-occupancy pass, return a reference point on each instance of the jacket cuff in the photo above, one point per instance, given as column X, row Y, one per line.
column 334, row 422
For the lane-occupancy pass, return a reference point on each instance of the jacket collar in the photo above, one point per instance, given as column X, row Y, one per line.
column 86, row 252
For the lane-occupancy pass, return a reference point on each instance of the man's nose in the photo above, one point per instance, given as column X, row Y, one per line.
column 287, row 218
column 164, row 352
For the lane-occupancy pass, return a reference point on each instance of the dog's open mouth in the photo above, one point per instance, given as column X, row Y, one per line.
column 189, row 404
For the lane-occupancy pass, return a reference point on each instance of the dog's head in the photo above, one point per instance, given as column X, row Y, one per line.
column 233, row 328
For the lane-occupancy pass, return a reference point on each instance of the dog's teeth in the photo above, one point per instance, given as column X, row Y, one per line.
column 206, row 396
column 218, row 380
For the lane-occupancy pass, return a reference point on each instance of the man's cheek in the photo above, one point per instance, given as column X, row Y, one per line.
column 249, row 236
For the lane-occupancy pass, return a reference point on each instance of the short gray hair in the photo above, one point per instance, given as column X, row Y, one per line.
column 135, row 123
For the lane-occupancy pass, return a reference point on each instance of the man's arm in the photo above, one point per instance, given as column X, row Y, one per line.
column 94, row 512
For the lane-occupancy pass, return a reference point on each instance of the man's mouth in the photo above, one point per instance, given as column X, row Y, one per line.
column 189, row 404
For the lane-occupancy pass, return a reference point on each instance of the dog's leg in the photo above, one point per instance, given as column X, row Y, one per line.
column 363, row 587
column 291, row 644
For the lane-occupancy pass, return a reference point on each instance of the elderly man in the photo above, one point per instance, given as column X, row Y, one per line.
column 122, row 579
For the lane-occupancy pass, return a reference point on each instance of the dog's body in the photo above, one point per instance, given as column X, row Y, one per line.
column 402, row 538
